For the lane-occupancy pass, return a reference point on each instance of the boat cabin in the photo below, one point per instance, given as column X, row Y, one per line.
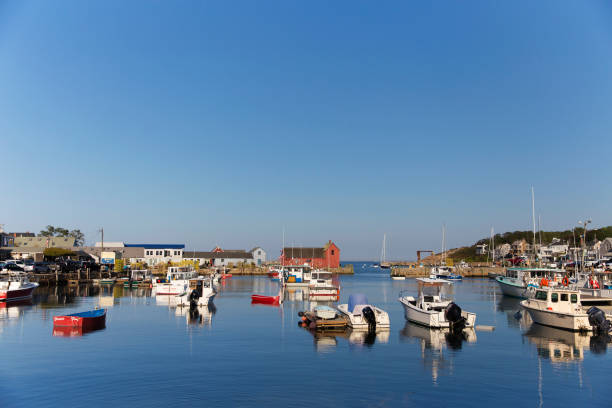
column 141, row 275
column 535, row 273
column 297, row 274
column 321, row 278
column 434, row 294
column 559, row 300
column 181, row 273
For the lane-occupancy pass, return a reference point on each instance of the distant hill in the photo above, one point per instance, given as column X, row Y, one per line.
column 468, row 253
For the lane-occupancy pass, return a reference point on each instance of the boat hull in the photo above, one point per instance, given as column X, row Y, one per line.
column 509, row 288
column 578, row 322
column 265, row 300
column 12, row 295
column 97, row 320
column 358, row 322
column 433, row 319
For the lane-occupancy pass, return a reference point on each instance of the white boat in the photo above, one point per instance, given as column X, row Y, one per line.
column 296, row 276
column 444, row 272
column 176, row 282
column 362, row 315
column 322, row 287
column 562, row 308
column 433, row 307
column 16, row 286
column 398, row 277
column 200, row 291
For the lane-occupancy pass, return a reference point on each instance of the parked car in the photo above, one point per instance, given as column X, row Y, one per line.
column 11, row 267
column 28, row 265
column 41, row 267
column 15, row 262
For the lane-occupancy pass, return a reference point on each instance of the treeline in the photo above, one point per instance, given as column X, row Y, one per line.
column 547, row 236
column 51, row 231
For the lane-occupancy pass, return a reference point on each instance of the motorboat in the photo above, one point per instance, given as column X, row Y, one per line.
column 176, row 282
column 433, row 307
column 199, row 293
column 16, row 286
column 444, row 272
column 296, row 275
column 137, row 277
column 398, row 277
column 107, row 281
column 362, row 315
column 562, row 308
column 522, row 282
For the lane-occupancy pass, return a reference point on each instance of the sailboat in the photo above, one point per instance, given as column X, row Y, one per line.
column 383, row 263
column 444, row 271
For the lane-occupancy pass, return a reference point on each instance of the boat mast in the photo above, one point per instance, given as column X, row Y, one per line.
column 534, row 224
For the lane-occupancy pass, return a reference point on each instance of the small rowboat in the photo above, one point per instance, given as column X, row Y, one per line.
column 265, row 300
column 90, row 320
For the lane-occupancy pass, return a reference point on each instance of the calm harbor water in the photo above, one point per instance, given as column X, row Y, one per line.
column 236, row 354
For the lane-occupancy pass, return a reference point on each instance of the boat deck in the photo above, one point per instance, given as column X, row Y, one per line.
column 590, row 300
column 338, row 323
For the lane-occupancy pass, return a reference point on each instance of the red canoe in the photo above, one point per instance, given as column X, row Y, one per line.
column 90, row 320
column 265, row 300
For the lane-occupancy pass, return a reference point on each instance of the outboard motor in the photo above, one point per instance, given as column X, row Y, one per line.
column 597, row 320
column 368, row 315
column 193, row 299
column 452, row 313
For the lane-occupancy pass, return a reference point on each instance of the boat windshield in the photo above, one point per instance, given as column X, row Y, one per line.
column 442, row 289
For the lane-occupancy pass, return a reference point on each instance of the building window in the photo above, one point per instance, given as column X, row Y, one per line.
column 258, row 252
column 332, row 251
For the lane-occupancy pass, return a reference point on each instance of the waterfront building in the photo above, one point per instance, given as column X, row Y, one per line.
column 327, row 256
column 160, row 253
column 225, row 257
column 259, row 255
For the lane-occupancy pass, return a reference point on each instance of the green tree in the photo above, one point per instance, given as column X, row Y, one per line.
column 49, row 231
column 79, row 237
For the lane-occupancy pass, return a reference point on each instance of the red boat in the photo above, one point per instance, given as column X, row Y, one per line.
column 16, row 287
column 265, row 300
column 90, row 320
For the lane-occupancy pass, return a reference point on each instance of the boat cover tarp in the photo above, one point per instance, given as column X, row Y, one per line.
column 356, row 299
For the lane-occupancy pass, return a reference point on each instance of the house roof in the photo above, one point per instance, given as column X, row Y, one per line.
column 58, row 242
column 253, row 250
column 290, row 252
column 237, row 254
column 157, row 246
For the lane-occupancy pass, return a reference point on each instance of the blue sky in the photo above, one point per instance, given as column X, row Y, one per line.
column 210, row 123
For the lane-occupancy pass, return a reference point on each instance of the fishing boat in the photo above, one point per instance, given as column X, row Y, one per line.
column 562, row 308
column 322, row 286
column 522, row 282
column 16, row 286
column 362, row 315
column 138, row 277
column 296, row 276
column 176, row 282
column 433, row 307
column 90, row 320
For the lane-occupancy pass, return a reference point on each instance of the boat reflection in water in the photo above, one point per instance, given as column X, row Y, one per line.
column 71, row 331
column 433, row 342
column 197, row 315
column 326, row 341
column 563, row 346
column 515, row 315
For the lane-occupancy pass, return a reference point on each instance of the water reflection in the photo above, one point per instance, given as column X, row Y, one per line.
column 67, row 331
column 515, row 315
column 562, row 346
column 326, row 341
column 433, row 342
